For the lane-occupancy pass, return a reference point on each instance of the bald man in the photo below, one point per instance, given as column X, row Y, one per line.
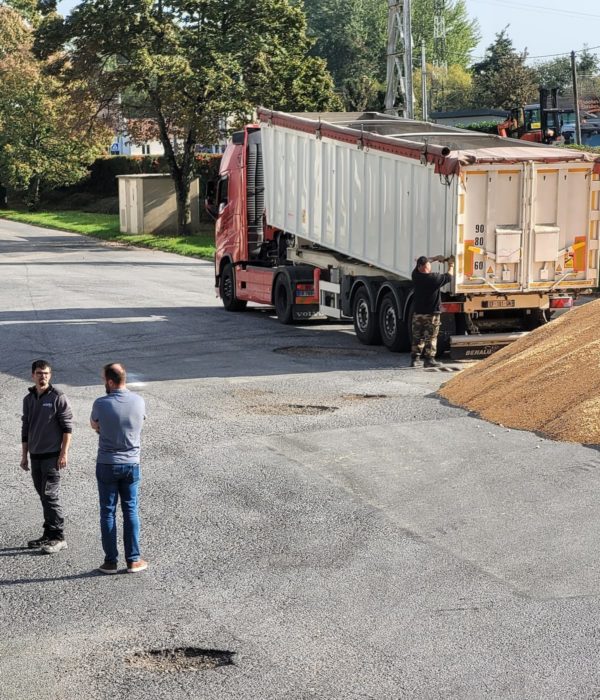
column 118, row 418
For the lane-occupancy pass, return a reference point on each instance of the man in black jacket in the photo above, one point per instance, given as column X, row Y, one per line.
column 47, row 423
column 427, row 309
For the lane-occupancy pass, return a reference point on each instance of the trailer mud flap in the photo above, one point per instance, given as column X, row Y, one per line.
column 305, row 312
column 478, row 347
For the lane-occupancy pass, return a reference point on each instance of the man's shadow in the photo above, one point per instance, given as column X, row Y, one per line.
column 12, row 551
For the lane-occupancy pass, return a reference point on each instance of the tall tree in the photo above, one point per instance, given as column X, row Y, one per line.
column 557, row 72
column 462, row 33
column 46, row 137
column 196, row 65
column 455, row 92
column 502, row 79
column 352, row 37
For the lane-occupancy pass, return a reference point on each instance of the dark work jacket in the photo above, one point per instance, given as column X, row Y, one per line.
column 45, row 419
column 427, row 298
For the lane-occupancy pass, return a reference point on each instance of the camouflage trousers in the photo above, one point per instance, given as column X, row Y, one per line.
column 425, row 329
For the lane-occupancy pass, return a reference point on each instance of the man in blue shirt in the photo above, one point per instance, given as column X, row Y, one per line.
column 118, row 418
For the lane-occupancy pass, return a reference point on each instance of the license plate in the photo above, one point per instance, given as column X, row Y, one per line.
column 499, row 304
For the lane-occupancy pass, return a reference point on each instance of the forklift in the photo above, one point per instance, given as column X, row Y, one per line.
column 541, row 123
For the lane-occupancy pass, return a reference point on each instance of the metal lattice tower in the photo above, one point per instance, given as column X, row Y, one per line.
column 399, row 95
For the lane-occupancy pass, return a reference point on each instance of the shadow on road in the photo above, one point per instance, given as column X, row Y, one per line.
column 171, row 343
column 73, row 577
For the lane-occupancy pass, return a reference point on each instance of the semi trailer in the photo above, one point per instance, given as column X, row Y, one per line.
column 324, row 215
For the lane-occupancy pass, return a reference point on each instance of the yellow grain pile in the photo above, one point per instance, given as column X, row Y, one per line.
column 547, row 381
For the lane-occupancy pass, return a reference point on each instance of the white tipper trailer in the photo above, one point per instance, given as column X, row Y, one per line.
column 357, row 197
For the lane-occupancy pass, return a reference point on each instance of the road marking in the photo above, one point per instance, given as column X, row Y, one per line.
column 84, row 321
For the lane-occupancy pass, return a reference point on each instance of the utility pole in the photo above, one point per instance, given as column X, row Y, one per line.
column 399, row 60
column 440, row 56
column 576, row 99
column 424, row 109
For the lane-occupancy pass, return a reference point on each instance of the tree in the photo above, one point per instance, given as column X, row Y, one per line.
column 555, row 73
column 558, row 73
column 196, row 65
column 454, row 92
column 462, row 33
column 502, row 79
column 351, row 36
column 44, row 136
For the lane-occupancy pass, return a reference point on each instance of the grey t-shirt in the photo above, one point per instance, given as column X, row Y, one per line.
column 121, row 417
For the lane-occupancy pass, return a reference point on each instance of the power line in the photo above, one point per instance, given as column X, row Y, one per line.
column 537, row 8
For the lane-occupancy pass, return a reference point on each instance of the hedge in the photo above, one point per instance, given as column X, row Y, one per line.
column 103, row 172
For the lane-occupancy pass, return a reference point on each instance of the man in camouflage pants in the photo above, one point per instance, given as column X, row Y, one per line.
column 427, row 300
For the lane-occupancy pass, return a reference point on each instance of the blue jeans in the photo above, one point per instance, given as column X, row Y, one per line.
column 114, row 481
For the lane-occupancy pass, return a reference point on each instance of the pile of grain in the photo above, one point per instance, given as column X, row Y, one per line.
column 547, row 381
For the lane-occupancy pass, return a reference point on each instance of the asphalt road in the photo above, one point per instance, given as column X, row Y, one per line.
column 309, row 508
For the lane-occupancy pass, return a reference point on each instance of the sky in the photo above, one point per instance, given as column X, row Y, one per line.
column 543, row 27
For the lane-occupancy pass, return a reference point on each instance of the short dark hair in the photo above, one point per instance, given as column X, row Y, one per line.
column 422, row 260
column 40, row 364
column 115, row 372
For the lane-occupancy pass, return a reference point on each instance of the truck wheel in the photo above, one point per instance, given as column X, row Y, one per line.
column 391, row 326
column 227, row 290
column 366, row 326
column 448, row 328
column 283, row 300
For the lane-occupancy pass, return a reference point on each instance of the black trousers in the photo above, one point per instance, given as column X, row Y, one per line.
column 46, row 479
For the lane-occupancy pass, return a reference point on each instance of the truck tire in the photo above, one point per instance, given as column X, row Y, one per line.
column 282, row 295
column 391, row 326
column 227, row 290
column 448, row 328
column 366, row 325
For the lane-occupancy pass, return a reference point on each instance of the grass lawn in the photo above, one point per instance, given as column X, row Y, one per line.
column 106, row 227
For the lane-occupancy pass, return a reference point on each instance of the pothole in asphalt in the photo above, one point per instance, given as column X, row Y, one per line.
column 310, row 351
column 180, row 659
column 292, row 409
column 363, row 397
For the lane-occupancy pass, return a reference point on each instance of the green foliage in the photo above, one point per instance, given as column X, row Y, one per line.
column 452, row 91
column 555, row 73
column 485, row 127
column 462, row 33
column 103, row 172
column 44, row 141
column 192, row 64
column 351, row 36
column 502, row 79
column 586, row 149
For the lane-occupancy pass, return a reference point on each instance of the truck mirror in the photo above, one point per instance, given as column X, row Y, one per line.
column 211, row 188
column 209, row 200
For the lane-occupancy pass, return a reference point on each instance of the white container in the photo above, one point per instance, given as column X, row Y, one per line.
column 519, row 217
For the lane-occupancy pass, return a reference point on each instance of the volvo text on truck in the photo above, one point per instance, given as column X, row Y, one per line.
column 325, row 215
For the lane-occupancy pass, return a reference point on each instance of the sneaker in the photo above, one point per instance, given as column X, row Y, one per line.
column 53, row 546
column 108, row 567
column 430, row 362
column 40, row 542
column 134, row 566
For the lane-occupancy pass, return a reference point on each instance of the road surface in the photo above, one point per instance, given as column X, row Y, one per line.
column 318, row 523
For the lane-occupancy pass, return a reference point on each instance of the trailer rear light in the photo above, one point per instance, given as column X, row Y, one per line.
column 561, row 302
column 305, row 293
column 452, row 307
